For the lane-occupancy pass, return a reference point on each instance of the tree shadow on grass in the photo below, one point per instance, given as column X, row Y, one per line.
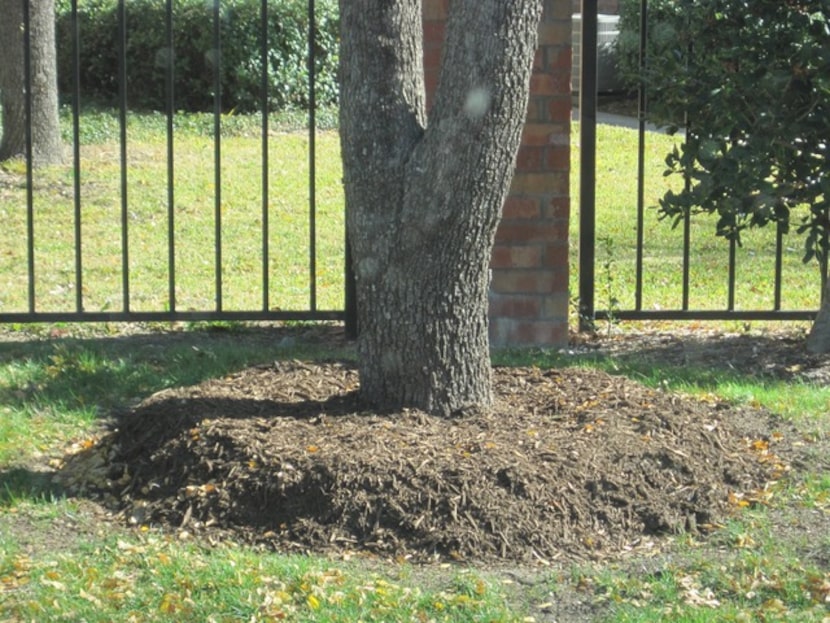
column 701, row 358
column 22, row 483
column 107, row 373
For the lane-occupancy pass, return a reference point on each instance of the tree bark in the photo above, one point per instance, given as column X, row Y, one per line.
column 46, row 137
column 424, row 195
column 818, row 340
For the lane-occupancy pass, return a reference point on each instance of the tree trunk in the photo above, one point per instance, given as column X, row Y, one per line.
column 46, row 138
column 818, row 341
column 424, row 196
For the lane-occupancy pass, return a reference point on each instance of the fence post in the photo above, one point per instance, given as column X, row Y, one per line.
column 587, row 162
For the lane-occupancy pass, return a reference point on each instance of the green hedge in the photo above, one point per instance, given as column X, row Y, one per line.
column 240, row 27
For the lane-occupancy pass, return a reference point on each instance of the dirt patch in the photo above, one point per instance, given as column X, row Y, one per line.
column 569, row 465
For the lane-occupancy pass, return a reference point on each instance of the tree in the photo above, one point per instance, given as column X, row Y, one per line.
column 424, row 192
column 46, row 138
column 754, row 78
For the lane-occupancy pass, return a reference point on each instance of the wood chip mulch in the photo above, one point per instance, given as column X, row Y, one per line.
column 570, row 464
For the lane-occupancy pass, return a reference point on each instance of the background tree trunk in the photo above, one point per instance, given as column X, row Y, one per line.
column 424, row 196
column 46, row 137
column 818, row 340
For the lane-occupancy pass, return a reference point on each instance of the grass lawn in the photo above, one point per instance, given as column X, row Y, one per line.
column 61, row 561
column 147, row 215
column 616, row 234
column 147, row 211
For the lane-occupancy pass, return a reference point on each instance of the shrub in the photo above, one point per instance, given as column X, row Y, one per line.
column 754, row 78
column 240, row 32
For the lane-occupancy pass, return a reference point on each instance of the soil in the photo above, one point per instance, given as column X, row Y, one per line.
column 569, row 465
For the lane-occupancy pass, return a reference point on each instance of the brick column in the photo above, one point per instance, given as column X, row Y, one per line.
column 529, row 292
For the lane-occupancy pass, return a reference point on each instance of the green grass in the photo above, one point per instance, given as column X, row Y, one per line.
column 240, row 200
column 288, row 239
column 153, row 578
column 754, row 577
column 56, row 383
column 53, row 390
column 616, row 208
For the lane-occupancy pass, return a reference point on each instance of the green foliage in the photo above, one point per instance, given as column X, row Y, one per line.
column 148, row 55
column 607, row 277
column 754, row 79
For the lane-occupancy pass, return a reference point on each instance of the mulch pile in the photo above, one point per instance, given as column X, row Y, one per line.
column 569, row 464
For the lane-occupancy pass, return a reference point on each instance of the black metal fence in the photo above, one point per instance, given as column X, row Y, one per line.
column 37, row 228
column 269, row 306
column 588, row 235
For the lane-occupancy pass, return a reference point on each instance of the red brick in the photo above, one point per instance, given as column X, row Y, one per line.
column 526, row 256
column 508, row 332
column 529, row 297
column 526, row 281
column 556, row 10
column 560, row 57
column 521, row 208
column 432, row 58
column 500, row 258
column 525, row 232
column 539, row 63
column 555, row 306
column 559, row 208
column 434, row 32
column 543, row 134
column 543, row 332
column 537, row 134
column 556, row 255
column 557, row 158
column 435, row 9
column 545, row 83
column 552, row 183
column 559, row 108
column 508, row 306
column 555, row 32
column 536, row 111
column 530, row 159
column 552, row 82
column 505, row 256
column 517, row 281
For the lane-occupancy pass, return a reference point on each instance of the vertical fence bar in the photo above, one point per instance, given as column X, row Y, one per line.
column 641, row 160
column 266, row 273
column 122, row 119
column 170, row 100
column 826, row 271
column 350, row 288
column 687, row 244
column 730, row 304
column 217, row 151
column 312, row 159
column 823, row 260
column 587, row 162
column 779, row 264
column 76, row 152
column 821, row 254
column 687, row 217
column 30, row 199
